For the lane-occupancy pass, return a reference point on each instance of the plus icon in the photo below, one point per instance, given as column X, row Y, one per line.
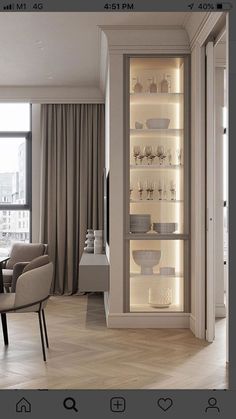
column 117, row 404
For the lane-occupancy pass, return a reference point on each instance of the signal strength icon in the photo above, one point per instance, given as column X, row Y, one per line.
column 9, row 7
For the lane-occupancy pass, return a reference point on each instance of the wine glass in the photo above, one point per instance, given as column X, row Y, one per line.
column 136, row 152
column 152, row 156
column 141, row 155
column 164, row 192
column 151, row 189
column 148, row 190
column 169, row 156
column 179, row 156
column 160, row 151
column 148, row 152
column 160, row 190
column 163, row 157
column 172, row 190
column 140, row 190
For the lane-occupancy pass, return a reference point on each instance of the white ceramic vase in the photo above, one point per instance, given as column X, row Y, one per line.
column 89, row 241
column 98, row 243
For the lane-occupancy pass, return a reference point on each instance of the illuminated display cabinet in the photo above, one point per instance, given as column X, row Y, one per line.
column 157, row 205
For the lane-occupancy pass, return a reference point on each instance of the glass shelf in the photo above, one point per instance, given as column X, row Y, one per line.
column 153, row 98
column 146, row 308
column 156, row 201
column 154, row 132
column 156, row 236
column 155, row 167
column 157, row 275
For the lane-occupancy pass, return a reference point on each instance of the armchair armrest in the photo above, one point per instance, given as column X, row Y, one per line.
column 17, row 271
column 4, row 263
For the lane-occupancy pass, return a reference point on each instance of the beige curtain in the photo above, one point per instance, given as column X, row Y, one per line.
column 71, row 185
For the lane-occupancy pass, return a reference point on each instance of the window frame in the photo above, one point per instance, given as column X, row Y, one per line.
column 27, row 135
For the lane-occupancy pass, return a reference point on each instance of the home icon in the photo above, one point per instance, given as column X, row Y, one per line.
column 23, row 406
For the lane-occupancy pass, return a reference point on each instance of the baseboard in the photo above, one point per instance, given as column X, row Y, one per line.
column 148, row 320
column 220, row 310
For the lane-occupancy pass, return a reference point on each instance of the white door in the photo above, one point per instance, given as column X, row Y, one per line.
column 210, row 204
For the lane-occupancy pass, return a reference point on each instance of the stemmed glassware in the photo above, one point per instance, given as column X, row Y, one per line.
column 150, row 188
column 148, row 153
column 140, row 190
column 164, row 192
column 141, row 155
column 163, row 157
column 160, row 190
column 172, row 191
column 179, row 156
column 161, row 154
column 169, row 156
column 136, row 152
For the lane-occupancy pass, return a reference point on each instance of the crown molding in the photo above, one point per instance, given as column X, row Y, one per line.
column 205, row 28
column 138, row 27
column 51, row 94
column 186, row 19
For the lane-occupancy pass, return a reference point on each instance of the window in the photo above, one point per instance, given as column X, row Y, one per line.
column 15, row 174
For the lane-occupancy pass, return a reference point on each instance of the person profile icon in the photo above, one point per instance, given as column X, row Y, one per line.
column 212, row 404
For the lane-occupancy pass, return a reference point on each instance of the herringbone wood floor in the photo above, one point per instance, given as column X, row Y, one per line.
column 84, row 354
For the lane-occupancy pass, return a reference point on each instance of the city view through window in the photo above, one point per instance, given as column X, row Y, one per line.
column 14, row 222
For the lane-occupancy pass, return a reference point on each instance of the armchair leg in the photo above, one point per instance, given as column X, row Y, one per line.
column 45, row 328
column 41, row 334
column 4, row 328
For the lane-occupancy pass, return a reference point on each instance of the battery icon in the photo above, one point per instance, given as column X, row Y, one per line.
column 224, row 6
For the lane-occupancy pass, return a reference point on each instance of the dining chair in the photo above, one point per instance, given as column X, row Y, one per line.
column 32, row 294
column 20, row 255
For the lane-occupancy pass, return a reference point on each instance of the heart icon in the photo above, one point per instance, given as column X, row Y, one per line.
column 165, row 404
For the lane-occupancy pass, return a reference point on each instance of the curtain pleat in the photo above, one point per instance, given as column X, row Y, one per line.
column 72, row 162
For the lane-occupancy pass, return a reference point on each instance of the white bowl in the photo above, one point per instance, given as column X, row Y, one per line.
column 147, row 259
column 165, row 228
column 167, row 270
column 158, row 123
column 140, row 229
column 140, row 223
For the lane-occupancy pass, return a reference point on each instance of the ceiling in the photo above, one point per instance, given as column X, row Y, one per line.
column 61, row 49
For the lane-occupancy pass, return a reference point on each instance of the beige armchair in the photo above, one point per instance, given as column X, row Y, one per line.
column 20, row 255
column 32, row 293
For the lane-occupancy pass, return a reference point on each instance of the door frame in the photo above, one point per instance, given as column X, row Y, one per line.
column 210, row 192
column 198, row 185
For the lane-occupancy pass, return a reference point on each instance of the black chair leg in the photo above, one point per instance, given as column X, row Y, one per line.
column 4, row 328
column 45, row 328
column 41, row 334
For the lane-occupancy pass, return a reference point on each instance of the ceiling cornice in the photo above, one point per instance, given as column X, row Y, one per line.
column 139, row 27
column 205, row 28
